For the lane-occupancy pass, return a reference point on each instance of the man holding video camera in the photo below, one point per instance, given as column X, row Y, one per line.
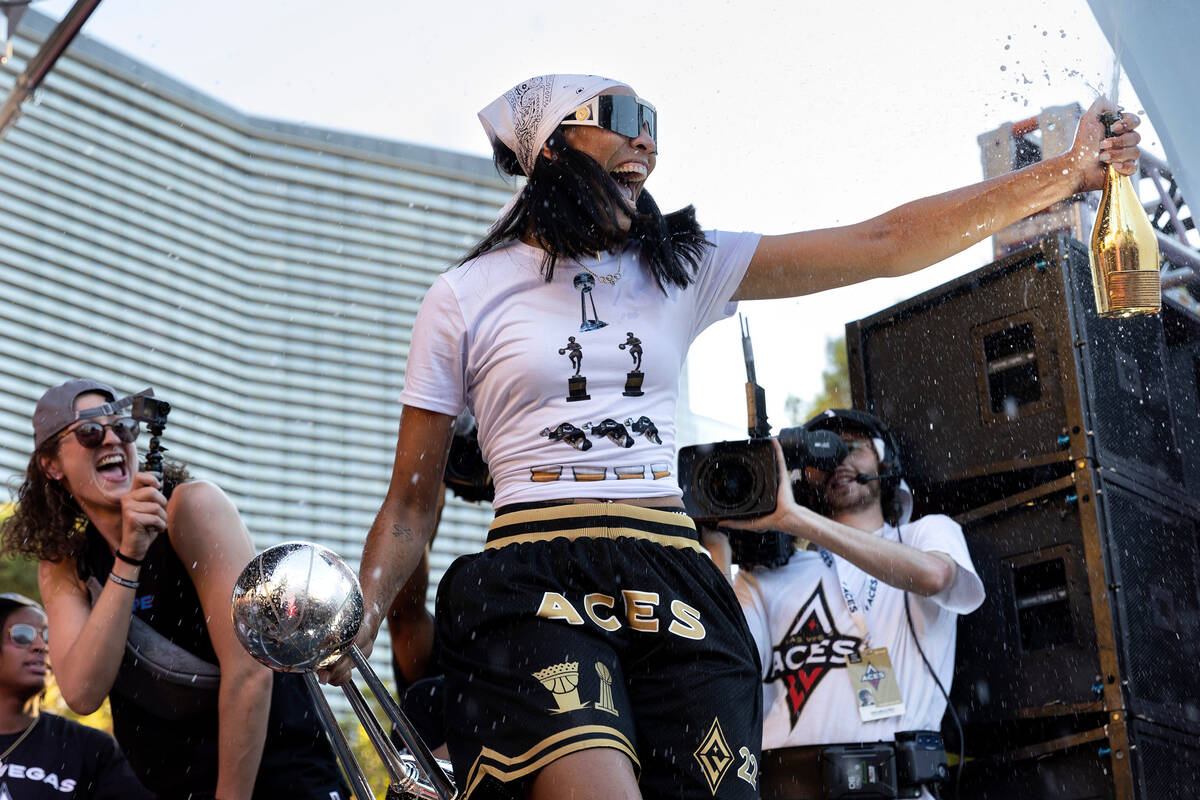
column 856, row 671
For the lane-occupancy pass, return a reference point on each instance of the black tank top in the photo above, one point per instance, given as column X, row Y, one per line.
column 176, row 758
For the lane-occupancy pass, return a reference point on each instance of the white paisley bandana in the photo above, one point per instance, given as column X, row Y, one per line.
column 525, row 116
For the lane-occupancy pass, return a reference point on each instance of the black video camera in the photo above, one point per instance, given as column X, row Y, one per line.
column 149, row 410
column 740, row 479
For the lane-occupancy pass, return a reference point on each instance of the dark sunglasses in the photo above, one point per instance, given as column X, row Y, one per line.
column 90, row 434
column 23, row 634
column 618, row 113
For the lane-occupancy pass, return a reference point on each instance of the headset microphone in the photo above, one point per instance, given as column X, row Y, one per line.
column 862, row 477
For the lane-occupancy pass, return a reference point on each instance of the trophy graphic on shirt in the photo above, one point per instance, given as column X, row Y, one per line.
column 633, row 378
column 576, row 384
column 584, row 283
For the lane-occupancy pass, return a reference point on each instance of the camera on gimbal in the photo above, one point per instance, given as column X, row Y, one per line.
column 152, row 412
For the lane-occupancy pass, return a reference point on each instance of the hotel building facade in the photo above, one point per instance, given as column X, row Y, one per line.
column 262, row 276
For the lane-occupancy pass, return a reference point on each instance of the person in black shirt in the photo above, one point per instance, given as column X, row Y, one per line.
column 43, row 755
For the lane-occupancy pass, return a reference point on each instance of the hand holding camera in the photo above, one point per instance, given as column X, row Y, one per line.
column 143, row 515
column 741, row 480
column 144, row 506
column 748, row 480
column 787, row 515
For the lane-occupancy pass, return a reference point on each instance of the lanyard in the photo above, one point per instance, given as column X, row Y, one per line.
column 859, row 615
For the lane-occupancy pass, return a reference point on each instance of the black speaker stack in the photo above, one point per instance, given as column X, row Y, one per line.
column 1068, row 448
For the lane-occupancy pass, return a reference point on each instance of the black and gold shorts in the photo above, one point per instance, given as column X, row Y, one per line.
column 598, row 625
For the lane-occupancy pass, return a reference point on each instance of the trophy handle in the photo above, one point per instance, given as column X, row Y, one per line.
column 300, row 581
column 333, row 731
column 431, row 766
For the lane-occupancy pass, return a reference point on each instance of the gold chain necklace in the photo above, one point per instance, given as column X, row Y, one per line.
column 612, row 278
column 20, row 739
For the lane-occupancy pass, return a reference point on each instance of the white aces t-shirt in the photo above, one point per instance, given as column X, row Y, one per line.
column 804, row 630
column 573, row 383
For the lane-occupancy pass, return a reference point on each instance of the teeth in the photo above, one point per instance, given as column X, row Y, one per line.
column 632, row 168
column 110, row 460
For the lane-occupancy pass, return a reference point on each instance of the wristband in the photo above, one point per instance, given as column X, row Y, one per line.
column 119, row 581
column 135, row 562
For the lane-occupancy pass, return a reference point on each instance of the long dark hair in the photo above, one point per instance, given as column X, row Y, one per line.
column 47, row 523
column 569, row 206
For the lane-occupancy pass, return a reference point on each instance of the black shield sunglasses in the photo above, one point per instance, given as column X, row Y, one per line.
column 619, row 113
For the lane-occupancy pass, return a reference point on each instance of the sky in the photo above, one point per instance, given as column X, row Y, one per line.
column 773, row 116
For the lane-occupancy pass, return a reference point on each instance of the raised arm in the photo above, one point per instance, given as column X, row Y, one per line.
column 89, row 642
column 404, row 524
column 907, row 568
column 925, row 231
column 208, row 536
column 919, row 571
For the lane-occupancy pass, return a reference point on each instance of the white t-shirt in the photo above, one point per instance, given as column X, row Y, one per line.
column 561, row 399
column 804, row 630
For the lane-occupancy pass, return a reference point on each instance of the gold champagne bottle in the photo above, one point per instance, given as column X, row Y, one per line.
column 1124, row 251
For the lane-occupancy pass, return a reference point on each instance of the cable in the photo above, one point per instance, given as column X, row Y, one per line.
column 962, row 739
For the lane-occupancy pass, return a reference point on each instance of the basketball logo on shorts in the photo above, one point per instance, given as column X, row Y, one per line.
column 605, row 703
column 563, row 682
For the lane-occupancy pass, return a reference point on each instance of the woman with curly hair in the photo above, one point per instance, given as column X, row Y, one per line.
column 137, row 574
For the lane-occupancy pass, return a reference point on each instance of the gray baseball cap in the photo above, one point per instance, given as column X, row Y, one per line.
column 56, row 409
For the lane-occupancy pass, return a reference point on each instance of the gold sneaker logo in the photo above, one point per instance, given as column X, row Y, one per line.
column 714, row 756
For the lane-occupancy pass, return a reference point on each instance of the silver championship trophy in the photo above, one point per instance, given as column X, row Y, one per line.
column 297, row 608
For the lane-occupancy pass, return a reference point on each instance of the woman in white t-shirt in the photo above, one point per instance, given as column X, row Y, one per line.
column 592, row 650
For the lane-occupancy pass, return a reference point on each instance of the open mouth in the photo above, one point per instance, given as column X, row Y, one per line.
column 629, row 178
column 842, row 478
column 113, row 467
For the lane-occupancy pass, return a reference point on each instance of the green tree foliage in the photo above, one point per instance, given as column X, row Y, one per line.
column 17, row 573
column 835, row 379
